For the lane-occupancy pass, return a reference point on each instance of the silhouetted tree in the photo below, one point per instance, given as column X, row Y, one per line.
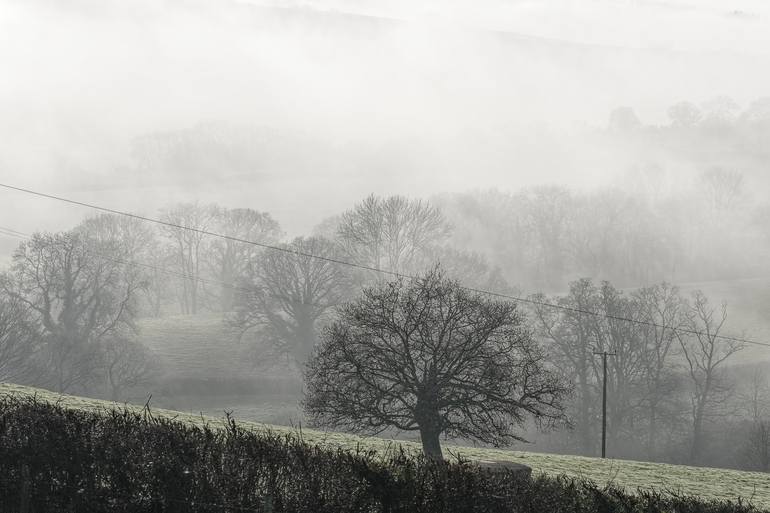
column 20, row 342
column 660, row 306
column 134, row 241
column 705, row 353
column 81, row 293
column 189, row 248
column 289, row 293
column 571, row 338
column 231, row 260
column 429, row 356
column 127, row 364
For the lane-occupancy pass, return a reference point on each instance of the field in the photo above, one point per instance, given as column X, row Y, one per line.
column 705, row 482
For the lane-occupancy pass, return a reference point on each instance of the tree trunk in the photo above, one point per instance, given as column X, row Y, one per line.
column 585, row 427
column 431, row 445
column 652, row 433
column 697, row 436
column 429, row 421
column 305, row 343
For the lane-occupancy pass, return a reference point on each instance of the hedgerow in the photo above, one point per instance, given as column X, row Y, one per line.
column 56, row 459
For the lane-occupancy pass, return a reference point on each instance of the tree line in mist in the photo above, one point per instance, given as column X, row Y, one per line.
column 71, row 301
column 545, row 237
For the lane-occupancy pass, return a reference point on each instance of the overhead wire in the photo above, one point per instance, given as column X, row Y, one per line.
column 388, row 272
column 206, row 281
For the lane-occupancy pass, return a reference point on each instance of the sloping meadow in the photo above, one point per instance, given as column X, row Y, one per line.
column 61, row 453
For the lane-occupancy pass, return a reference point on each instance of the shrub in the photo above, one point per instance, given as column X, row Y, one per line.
column 58, row 459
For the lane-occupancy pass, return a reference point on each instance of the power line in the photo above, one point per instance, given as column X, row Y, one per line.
column 387, row 271
column 21, row 235
column 206, row 232
column 640, row 322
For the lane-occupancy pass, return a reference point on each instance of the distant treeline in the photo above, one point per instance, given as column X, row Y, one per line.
column 56, row 459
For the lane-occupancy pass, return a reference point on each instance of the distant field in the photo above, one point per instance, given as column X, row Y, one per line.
column 198, row 345
column 201, row 355
column 203, row 347
column 705, row 482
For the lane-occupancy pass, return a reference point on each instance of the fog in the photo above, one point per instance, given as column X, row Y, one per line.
column 368, row 97
column 539, row 147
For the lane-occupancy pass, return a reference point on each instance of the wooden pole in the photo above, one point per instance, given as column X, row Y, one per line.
column 604, row 400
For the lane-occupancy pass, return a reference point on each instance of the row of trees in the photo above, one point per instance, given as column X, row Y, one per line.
column 431, row 356
column 70, row 302
column 545, row 237
column 79, row 293
column 668, row 370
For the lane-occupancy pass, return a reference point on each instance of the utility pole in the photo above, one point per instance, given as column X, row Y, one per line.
column 604, row 354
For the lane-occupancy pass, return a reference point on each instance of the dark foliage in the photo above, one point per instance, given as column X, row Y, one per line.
column 58, row 459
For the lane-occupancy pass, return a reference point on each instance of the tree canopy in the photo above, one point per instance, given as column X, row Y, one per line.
column 428, row 355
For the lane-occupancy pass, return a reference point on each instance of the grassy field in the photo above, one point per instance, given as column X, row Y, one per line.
column 200, row 345
column 705, row 482
column 200, row 356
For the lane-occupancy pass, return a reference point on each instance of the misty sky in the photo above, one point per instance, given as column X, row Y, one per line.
column 377, row 97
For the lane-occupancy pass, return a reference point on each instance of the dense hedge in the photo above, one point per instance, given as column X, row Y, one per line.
column 58, row 459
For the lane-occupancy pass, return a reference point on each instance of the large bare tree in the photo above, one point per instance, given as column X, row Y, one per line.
column 134, row 241
column 571, row 338
column 231, row 260
column 626, row 368
column 81, row 293
column 429, row 356
column 590, row 319
column 289, row 294
column 660, row 308
column 705, row 354
column 189, row 248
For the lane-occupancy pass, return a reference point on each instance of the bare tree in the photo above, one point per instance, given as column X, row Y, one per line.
column 571, row 338
column 723, row 189
column 290, row 293
column 548, row 211
column 80, row 292
column 429, row 356
column 705, row 353
column 19, row 341
column 127, row 364
column 593, row 319
column 135, row 242
column 756, row 394
column 684, row 115
column 660, row 307
column 391, row 233
column 627, row 366
column 131, row 237
column 231, row 260
column 756, row 449
column 189, row 248
column 467, row 267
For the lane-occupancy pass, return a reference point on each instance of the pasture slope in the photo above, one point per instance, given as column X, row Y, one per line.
column 704, row 482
